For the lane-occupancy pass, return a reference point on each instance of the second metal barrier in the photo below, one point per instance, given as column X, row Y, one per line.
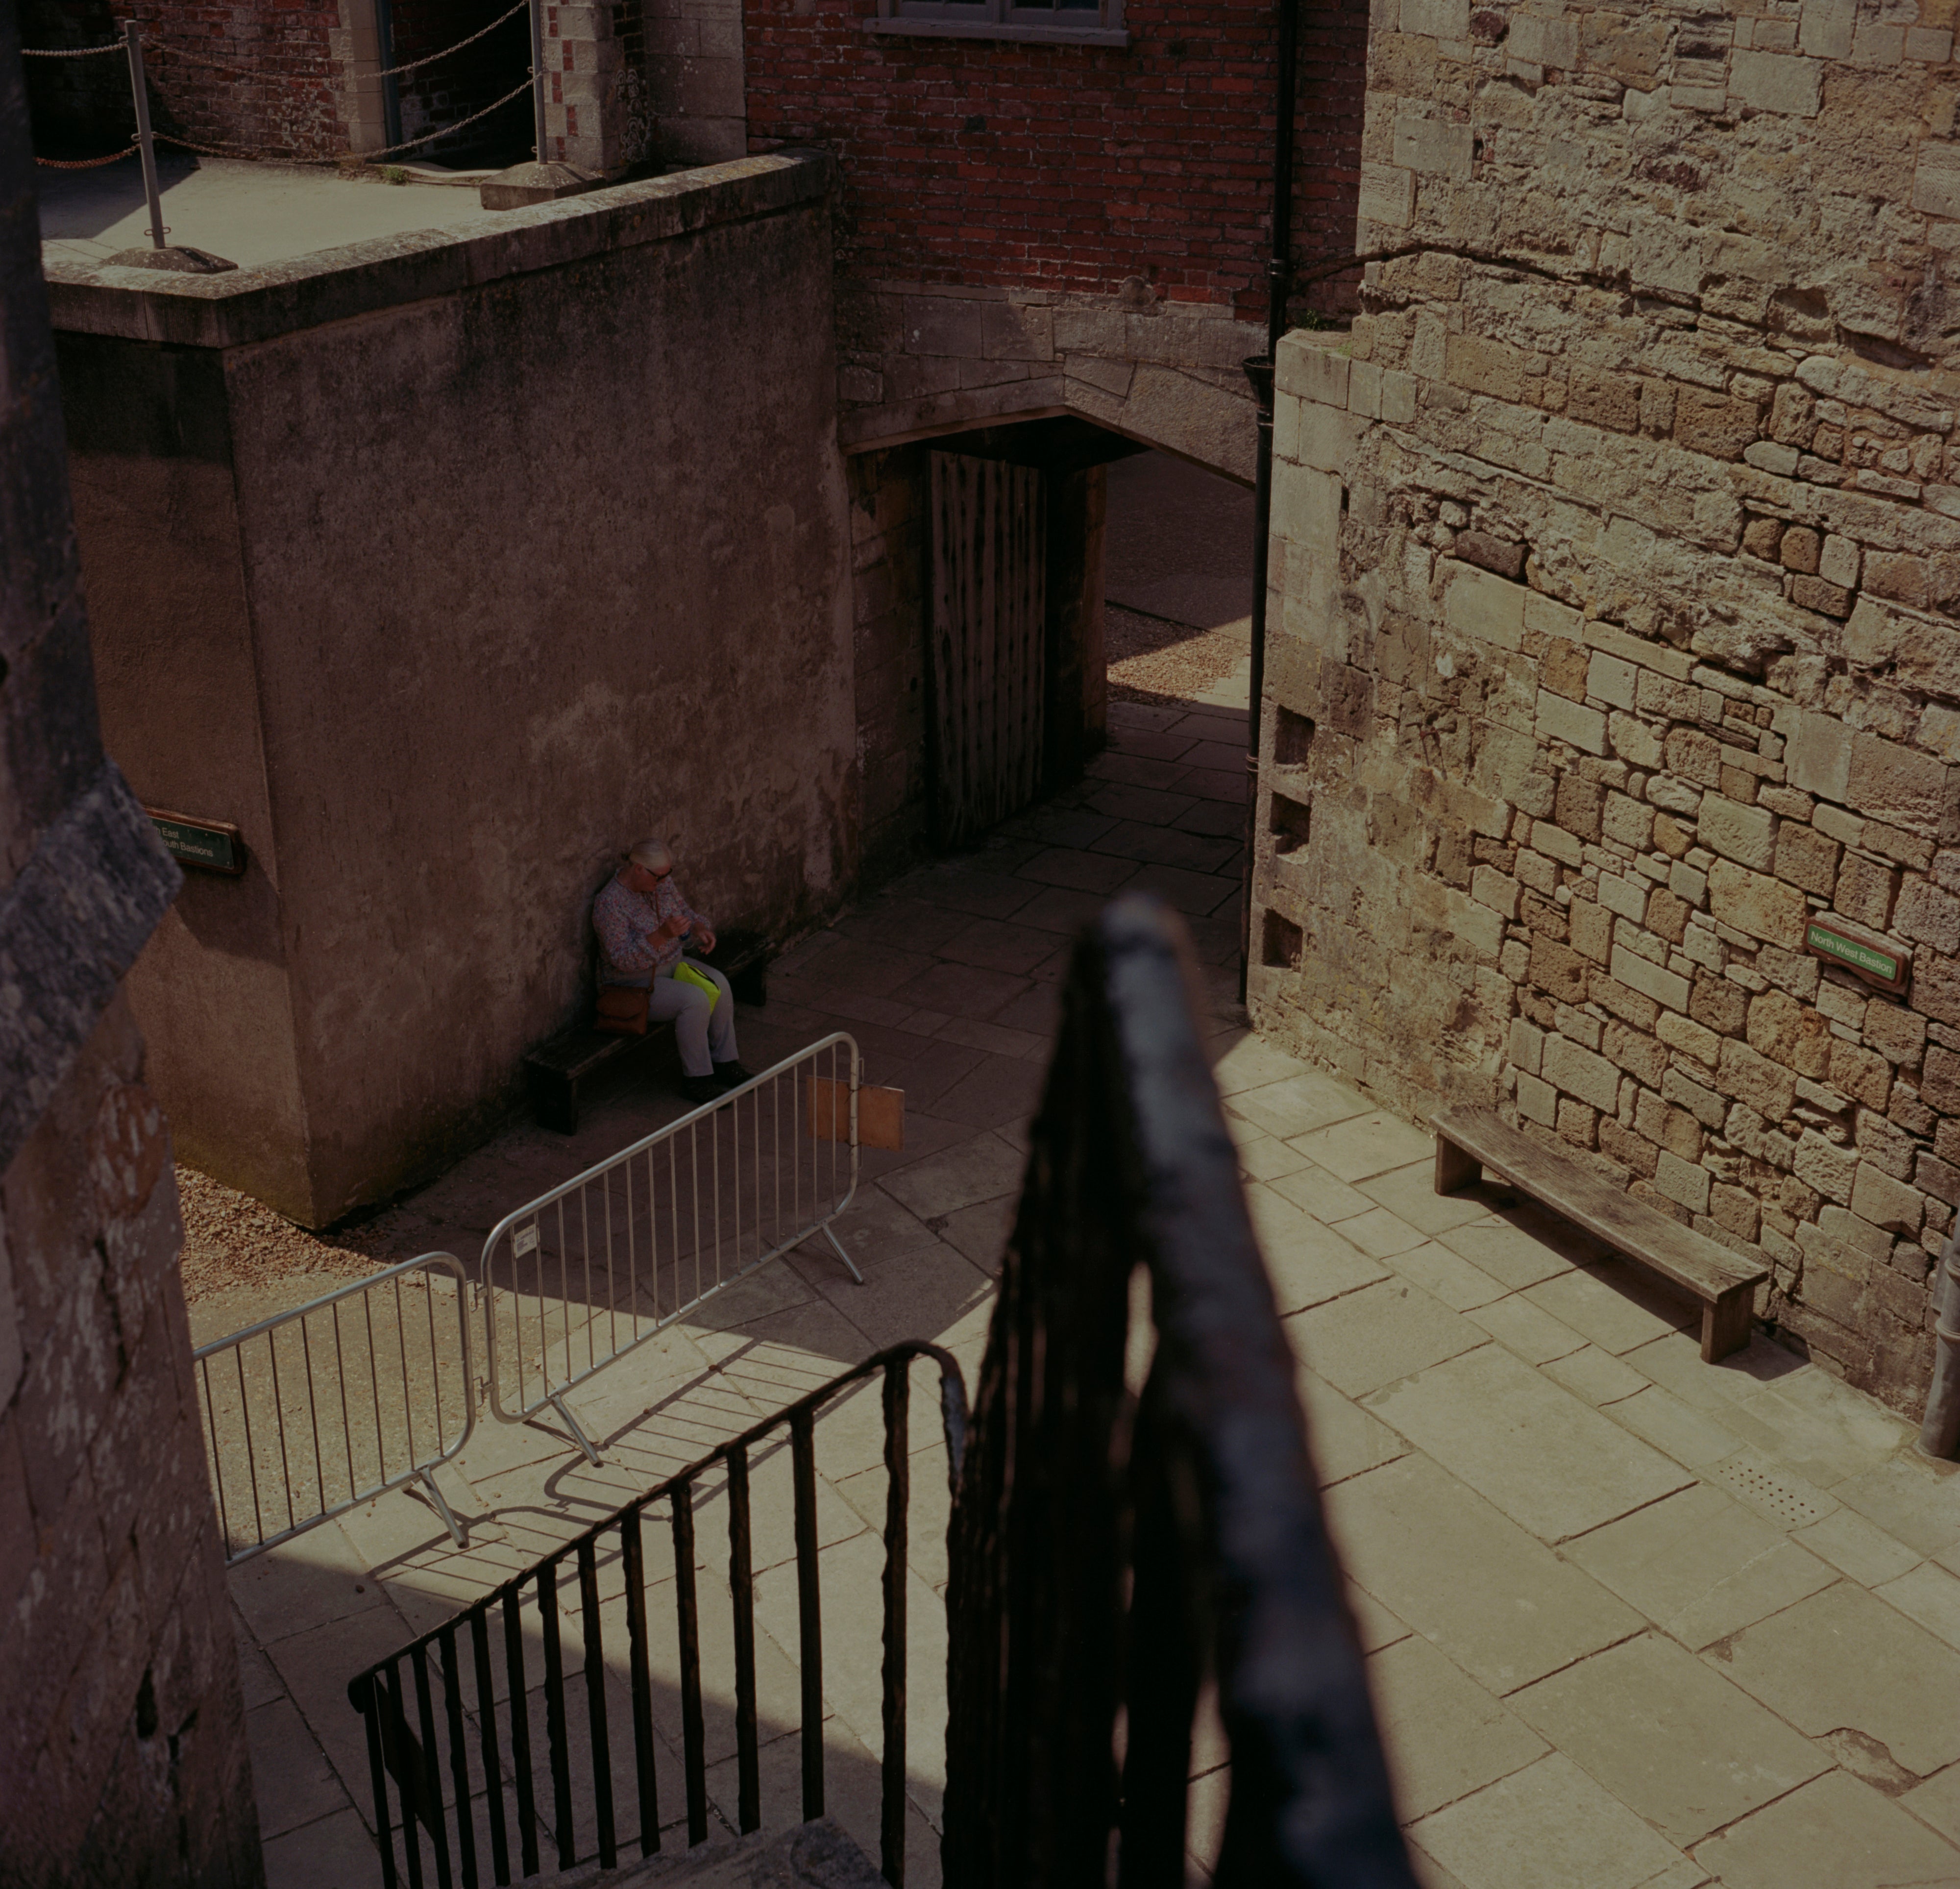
column 584, row 1273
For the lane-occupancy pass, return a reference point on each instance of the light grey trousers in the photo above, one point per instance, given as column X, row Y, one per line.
column 704, row 1039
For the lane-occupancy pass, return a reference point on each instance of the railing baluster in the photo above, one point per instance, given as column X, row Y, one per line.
column 694, row 1737
column 742, row 1595
column 595, row 1699
column 340, row 1379
column 810, row 1609
column 486, row 1735
column 518, row 1701
column 459, row 1759
column 406, row 1785
column 408, row 1395
column 898, row 1501
column 384, row 1833
column 630, row 1555
column 279, row 1412
column 555, row 1729
column 428, row 1781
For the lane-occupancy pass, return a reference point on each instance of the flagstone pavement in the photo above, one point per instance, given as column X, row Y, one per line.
column 1630, row 1620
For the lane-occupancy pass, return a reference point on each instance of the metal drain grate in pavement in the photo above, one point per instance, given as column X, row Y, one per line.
column 1769, row 1494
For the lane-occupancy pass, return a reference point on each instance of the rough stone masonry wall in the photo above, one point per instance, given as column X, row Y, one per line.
column 1615, row 592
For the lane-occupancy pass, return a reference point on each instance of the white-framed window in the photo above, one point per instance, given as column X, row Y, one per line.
column 1067, row 22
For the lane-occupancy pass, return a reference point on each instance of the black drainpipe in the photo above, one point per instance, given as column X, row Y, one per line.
column 1259, row 371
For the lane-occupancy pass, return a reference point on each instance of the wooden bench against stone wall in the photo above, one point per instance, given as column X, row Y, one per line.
column 1471, row 1141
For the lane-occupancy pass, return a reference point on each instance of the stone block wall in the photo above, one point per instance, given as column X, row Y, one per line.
column 916, row 358
column 1616, row 612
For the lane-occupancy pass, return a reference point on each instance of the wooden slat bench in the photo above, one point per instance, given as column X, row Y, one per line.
column 554, row 1070
column 1469, row 1140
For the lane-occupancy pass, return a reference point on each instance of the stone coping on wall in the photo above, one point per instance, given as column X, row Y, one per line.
column 258, row 303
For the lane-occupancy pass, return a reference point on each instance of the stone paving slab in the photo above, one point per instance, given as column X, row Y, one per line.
column 1620, row 1606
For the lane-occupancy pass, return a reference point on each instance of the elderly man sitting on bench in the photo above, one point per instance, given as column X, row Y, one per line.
column 641, row 918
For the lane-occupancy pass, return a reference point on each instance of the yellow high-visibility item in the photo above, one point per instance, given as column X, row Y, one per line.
column 685, row 973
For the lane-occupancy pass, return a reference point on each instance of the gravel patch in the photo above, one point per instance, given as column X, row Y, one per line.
column 1153, row 660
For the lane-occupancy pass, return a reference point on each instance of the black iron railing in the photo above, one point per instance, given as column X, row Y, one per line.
column 455, row 1734
column 1138, row 1528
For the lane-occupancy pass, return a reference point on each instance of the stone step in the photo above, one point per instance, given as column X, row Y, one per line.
column 818, row 1855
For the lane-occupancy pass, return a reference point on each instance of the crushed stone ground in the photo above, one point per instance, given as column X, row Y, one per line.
column 1162, row 664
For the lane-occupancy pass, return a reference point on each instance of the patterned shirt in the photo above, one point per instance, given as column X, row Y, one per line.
column 626, row 921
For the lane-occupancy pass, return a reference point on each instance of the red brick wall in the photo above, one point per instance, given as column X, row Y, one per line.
column 990, row 162
column 82, row 108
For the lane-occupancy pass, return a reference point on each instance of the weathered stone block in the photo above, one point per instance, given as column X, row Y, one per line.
column 1558, row 970
column 1388, row 196
column 1826, row 1166
column 1612, row 680
column 1434, row 147
column 1635, row 742
column 1479, row 604
column 1651, row 980
column 1838, row 563
column 1596, row 399
column 1579, row 1072
column 1939, row 1178
column 1806, row 858
column 1818, row 754
column 1559, row 719
column 1800, row 550
column 1694, row 756
column 1897, row 575
column 1682, row 1182
column 1625, row 898
column 1704, row 1105
column 1891, row 1204
column 1591, row 929
column 1787, row 1033
column 1626, row 821
column 942, row 325
column 1667, row 915
column 1814, row 593
column 1861, row 1072
column 1690, row 1037
column 1897, row 1034
column 1762, row 537
column 1928, row 916
column 1312, row 368
column 1488, row 886
column 1766, row 1086
column 1715, row 423
column 1525, row 1046
column 1483, row 366
column 1538, row 1101
column 1577, row 805
column 1936, row 988
column 1562, row 669
column 1777, row 82
column 1746, row 834
column 1630, row 1150
column 1865, row 888
column 1751, row 901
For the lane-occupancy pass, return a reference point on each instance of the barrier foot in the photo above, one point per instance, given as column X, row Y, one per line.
column 578, row 1436
column 842, row 1255
column 442, row 1509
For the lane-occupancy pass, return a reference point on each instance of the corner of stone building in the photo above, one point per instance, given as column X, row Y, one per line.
column 125, row 1734
column 1616, row 638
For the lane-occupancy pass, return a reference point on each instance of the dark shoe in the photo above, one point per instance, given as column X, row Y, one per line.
column 732, row 1073
column 700, row 1088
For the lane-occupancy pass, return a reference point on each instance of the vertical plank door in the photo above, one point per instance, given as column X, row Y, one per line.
column 987, row 642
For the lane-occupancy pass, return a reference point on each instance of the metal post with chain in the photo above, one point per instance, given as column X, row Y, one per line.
column 140, row 90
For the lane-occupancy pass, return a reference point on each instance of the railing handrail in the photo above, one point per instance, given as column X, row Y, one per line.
column 665, row 1131
column 419, row 1263
column 953, row 1395
column 552, row 1391
column 418, row 1468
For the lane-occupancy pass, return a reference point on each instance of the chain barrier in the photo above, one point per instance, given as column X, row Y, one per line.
column 85, row 163
column 169, row 52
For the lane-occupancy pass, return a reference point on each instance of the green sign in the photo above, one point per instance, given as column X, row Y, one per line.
column 1869, row 960
column 210, row 844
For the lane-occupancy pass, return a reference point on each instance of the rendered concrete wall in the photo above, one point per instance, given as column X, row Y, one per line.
column 1615, row 598
column 507, row 550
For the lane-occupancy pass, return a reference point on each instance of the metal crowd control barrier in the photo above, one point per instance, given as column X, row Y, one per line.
column 387, row 1374
column 581, row 1275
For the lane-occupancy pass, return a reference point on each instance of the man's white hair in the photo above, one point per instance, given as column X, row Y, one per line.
column 652, row 854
